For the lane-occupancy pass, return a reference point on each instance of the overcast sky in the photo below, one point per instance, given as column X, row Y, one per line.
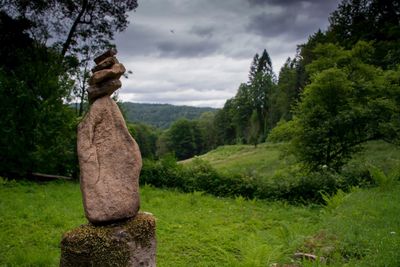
column 197, row 52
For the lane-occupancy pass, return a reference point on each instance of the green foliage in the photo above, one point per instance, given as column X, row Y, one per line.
column 267, row 175
column 235, row 123
column 298, row 186
column 164, row 173
column 185, row 139
column 146, row 137
column 287, row 92
column 224, row 124
column 37, row 129
column 262, row 161
column 196, row 176
column 254, row 132
column 284, row 131
column 334, row 201
column 371, row 20
column 206, row 124
column 346, row 104
column 366, row 227
column 76, row 24
column 324, row 117
column 384, row 181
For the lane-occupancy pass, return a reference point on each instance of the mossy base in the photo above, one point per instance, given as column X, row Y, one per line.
column 128, row 243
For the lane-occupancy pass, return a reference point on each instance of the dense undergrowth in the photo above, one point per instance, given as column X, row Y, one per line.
column 261, row 173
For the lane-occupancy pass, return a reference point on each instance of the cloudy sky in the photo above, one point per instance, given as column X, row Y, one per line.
column 197, row 52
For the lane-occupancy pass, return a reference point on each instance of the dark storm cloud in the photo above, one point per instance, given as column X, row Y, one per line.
column 202, row 31
column 284, row 2
column 274, row 25
column 295, row 20
column 138, row 40
column 187, row 49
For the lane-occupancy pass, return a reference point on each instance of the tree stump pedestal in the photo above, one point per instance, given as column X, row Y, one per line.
column 127, row 243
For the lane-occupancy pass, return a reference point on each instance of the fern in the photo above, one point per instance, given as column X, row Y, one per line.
column 380, row 178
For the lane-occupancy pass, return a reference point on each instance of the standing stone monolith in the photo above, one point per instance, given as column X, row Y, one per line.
column 110, row 164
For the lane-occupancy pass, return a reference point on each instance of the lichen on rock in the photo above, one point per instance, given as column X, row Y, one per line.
column 125, row 243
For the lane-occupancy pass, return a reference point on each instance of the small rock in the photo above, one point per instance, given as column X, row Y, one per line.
column 114, row 72
column 105, row 88
column 308, row 256
column 105, row 64
column 109, row 53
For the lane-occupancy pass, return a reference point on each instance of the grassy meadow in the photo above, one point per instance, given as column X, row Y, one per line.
column 361, row 228
column 265, row 159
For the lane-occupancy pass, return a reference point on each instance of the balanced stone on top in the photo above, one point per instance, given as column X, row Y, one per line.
column 109, row 53
column 105, row 64
column 109, row 158
column 114, row 72
column 106, row 88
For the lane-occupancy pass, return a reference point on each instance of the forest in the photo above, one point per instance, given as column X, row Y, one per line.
column 323, row 131
column 340, row 90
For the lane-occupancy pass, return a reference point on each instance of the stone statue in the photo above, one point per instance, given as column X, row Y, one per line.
column 110, row 164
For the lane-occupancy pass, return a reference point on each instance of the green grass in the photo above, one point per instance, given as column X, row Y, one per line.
column 32, row 220
column 379, row 153
column 267, row 158
column 262, row 160
column 192, row 229
column 361, row 228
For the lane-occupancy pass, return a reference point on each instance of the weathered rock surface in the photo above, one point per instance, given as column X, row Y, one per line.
column 105, row 64
column 105, row 88
column 109, row 53
column 114, row 72
column 110, row 164
column 129, row 243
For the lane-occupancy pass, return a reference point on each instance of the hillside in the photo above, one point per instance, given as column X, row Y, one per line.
column 161, row 115
column 267, row 158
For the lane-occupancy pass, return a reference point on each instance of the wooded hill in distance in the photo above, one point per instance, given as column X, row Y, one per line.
column 161, row 115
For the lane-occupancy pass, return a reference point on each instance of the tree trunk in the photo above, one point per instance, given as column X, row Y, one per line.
column 72, row 31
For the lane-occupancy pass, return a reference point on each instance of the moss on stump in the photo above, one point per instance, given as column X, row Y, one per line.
column 128, row 243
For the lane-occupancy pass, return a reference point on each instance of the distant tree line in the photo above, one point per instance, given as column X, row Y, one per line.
column 161, row 115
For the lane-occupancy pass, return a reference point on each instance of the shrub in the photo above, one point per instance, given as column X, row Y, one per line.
column 284, row 131
column 163, row 173
column 384, row 181
column 296, row 185
column 292, row 185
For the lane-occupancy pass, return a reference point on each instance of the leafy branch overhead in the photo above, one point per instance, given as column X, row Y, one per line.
column 70, row 24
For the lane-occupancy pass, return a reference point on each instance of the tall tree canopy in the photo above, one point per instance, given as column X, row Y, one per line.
column 369, row 20
column 249, row 115
column 78, row 29
column 36, row 128
column 348, row 102
column 72, row 24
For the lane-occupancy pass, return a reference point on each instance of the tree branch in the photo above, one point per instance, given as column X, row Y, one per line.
column 72, row 31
